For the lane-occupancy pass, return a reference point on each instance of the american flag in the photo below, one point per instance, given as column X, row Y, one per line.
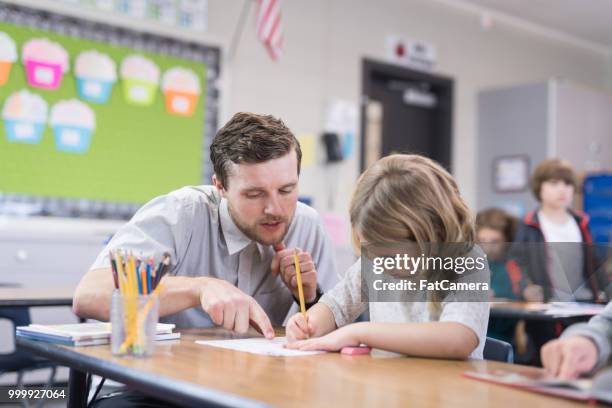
column 269, row 28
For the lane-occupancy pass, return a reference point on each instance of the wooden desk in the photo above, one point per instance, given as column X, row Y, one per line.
column 189, row 374
column 22, row 297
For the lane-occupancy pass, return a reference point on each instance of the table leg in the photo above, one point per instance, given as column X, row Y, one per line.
column 77, row 389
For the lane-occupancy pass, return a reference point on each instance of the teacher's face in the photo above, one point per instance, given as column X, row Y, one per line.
column 262, row 197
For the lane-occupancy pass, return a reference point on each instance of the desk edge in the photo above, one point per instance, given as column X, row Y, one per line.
column 172, row 390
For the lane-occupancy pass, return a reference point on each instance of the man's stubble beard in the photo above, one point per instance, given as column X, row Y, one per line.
column 250, row 233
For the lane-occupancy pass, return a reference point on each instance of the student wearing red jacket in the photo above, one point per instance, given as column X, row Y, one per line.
column 553, row 247
column 553, row 251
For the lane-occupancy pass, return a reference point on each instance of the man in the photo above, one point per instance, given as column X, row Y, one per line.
column 231, row 244
column 583, row 347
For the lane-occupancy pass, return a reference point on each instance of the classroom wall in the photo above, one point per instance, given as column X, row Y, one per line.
column 574, row 118
column 510, row 123
column 584, row 126
column 325, row 41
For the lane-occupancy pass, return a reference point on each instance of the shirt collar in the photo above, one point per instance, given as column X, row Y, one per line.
column 235, row 239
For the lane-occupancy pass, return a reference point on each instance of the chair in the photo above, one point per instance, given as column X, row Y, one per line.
column 498, row 350
column 19, row 361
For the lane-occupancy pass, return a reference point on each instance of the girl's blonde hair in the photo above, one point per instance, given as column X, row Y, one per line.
column 410, row 198
column 407, row 197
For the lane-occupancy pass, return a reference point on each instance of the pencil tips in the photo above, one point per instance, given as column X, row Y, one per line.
column 136, row 275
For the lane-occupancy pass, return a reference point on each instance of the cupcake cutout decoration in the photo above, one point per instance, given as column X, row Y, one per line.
column 140, row 78
column 181, row 88
column 8, row 56
column 45, row 62
column 24, row 115
column 73, row 124
column 96, row 73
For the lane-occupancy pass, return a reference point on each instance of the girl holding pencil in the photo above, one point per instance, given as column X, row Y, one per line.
column 401, row 198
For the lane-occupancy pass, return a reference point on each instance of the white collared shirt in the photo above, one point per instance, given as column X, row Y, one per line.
column 565, row 253
column 194, row 226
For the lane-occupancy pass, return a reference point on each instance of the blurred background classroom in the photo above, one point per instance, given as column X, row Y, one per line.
column 108, row 103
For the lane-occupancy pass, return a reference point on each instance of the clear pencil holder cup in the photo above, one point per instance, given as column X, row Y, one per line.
column 133, row 324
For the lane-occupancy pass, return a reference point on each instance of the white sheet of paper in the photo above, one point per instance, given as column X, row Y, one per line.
column 260, row 346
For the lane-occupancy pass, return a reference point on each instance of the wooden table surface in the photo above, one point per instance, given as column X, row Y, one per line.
column 12, row 296
column 321, row 380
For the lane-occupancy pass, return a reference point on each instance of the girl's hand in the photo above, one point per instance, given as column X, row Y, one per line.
column 334, row 341
column 299, row 328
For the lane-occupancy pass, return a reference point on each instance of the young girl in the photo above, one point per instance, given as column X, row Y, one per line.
column 400, row 198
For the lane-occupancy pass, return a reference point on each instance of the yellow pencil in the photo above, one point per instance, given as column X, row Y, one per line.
column 132, row 276
column 130, row 338
column 121, row 273
column 298, row 276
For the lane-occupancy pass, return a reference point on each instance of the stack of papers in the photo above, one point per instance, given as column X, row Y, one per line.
column 83, row 334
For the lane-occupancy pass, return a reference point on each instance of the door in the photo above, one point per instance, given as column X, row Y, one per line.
column 405, row 111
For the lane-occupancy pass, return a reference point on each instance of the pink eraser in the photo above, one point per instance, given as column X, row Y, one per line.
column 355, row 351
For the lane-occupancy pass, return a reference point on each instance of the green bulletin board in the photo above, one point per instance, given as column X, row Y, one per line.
column 136, row 152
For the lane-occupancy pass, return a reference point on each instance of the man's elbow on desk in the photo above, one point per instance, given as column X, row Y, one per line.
column 92, row 297
column 90, row 306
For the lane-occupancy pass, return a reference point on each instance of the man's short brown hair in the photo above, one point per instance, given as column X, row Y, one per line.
column 251, row 138
column 552, row 169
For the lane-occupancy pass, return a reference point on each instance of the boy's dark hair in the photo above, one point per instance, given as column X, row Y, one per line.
column 251, row 138
column 498, row 220
column 552, row 169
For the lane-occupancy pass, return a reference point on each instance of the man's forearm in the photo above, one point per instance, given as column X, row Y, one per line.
column 180, row 293
column 93, row 296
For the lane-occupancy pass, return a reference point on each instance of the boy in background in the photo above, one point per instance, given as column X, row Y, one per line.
column 554, row 249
